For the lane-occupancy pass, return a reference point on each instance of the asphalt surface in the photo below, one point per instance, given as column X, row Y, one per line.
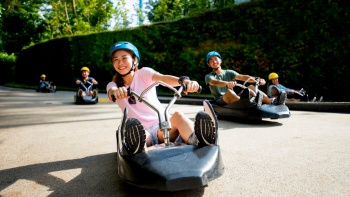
column 51, row 147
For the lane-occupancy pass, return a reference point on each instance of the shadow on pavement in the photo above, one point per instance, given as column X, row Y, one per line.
column 264, row 122
column 98, row 177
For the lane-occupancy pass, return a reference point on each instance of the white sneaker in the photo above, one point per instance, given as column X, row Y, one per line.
column 135, row 136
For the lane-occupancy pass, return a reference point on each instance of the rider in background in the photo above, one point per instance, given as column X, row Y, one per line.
column 221, row 83
column 142, row 125
column 85, row 82
column 274, row 89
column 44, row 85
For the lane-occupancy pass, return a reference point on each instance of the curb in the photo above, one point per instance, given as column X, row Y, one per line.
column 302, row 106
column 321, row 107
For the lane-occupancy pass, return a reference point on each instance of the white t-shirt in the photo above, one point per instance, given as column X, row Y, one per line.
column 142, row 80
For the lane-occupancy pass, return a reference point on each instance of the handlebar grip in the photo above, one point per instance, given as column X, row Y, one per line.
column 198, row 91
column 129, row 91
column 113, row 98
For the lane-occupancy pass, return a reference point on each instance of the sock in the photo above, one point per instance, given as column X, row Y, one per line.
column 192, row 139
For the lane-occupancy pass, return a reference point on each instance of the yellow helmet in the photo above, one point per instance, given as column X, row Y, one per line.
column 43, row 76
column 273, row 76
column 85, row 68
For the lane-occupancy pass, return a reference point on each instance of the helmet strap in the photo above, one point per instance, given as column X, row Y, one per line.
column 132, row 69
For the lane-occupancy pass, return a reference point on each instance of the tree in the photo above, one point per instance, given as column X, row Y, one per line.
column 1, row 47
column 83, row 16
column 169, row 10
column 165, row 10
column 21, row 24
column 120, row 15
column 223, row 3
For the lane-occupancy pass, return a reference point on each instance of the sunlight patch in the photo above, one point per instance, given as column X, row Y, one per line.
column 25, row 188
column 66, row 175
column 41, row 185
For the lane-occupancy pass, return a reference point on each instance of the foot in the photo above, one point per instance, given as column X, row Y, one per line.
column 281, row 98
column 204, row 129
column 94, row 93
column 135, row 136
column 321, row 99
column 314, row 99
column 80, row 93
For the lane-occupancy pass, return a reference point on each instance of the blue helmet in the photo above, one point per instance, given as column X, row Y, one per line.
column 126, row 46
column 211, row 54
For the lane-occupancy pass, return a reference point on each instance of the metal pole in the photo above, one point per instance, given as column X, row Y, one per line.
column 140, row 6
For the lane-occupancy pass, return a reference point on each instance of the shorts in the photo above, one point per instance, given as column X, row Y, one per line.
column 220, row 102
column 153, row 131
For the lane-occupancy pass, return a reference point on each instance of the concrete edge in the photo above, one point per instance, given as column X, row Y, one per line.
column 302, row 106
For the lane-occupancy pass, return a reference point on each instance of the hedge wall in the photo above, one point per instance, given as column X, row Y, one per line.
column 7, row 67
column 305, row 42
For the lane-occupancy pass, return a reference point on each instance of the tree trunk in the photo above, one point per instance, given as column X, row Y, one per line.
column 73, row 8
column 66, row 11
column 67, row 18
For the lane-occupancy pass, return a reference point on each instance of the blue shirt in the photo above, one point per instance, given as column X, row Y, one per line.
column 279, row 87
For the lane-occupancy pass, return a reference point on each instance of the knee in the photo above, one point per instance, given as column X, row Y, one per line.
column 251, row 87
column 178, row 115
column 230, row 97
column 274, row 92
column 177, row 118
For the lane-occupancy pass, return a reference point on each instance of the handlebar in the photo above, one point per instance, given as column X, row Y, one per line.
column 177, row 92
column 164, row 125
column 86, row 88
column 257, row 83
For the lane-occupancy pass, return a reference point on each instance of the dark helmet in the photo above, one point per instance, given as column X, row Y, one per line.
column 126, row 46
column 211, row 54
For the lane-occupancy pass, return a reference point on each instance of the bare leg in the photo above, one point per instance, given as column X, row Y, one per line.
column 266, row 99
column 148, row 139
column 81, row 93
column 230, row 96
column 252, row 92
column 180, row 125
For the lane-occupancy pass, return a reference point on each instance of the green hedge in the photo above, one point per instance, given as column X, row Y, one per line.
column 305, row 42
column 7, row 67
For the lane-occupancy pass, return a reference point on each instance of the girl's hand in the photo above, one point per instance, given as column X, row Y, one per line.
column 119, row 93
column 192, row 86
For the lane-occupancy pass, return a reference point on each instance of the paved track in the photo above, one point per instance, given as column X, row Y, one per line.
column 52, row 147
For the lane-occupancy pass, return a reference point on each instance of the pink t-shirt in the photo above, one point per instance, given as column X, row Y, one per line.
column 142, row 80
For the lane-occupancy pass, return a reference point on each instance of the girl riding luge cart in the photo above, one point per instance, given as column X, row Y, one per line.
column 189, row 156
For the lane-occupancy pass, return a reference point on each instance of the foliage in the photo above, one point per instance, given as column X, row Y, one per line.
column 23, row 23
column 7, row 66
column 305, row 42
column 167, row 10
column 81, row 16
column 1, row 45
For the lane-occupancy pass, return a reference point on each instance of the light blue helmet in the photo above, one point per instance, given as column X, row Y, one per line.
column 211, row 54
column 126, row 46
